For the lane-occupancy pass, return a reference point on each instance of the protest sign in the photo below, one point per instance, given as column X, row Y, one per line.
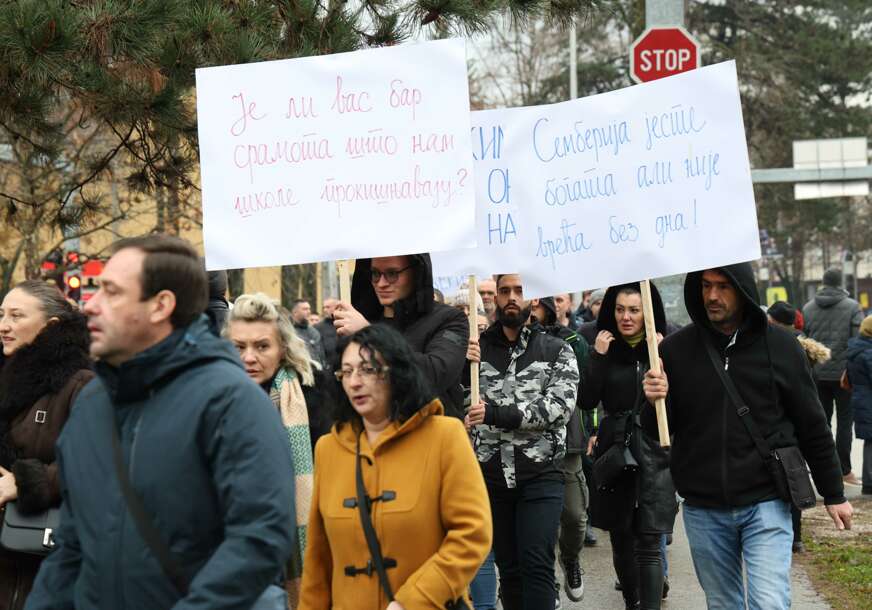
column 334, row 157
column 646, row 181
column 495, row 152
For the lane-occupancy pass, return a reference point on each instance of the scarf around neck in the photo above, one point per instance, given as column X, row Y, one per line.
column 287, row 395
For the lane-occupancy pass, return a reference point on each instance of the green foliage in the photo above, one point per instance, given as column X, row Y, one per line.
column 103, row 91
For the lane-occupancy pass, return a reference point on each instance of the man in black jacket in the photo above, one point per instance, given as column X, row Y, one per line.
column 300, row 312
column 328, row 331
column 732, row 512
column 398, row 290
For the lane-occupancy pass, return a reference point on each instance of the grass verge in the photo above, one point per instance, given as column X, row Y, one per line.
column 839, row 564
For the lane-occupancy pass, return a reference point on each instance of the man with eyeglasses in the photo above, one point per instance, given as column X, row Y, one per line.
column 398, row 291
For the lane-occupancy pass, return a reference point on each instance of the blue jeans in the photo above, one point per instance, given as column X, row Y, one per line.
column 721, row 539
column 483, row 588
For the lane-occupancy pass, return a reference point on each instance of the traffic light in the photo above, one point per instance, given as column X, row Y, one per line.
column 73, row 282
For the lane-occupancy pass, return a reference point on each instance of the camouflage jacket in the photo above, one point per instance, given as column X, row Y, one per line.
column 529, row 390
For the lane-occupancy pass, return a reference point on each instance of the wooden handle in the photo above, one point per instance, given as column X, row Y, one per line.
column 654, row 359
column 473, row 334
column 344, row 281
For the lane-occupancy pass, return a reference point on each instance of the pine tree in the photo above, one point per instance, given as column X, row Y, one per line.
column 100, row 91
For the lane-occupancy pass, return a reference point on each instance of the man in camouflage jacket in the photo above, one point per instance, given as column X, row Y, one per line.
column 529, row 381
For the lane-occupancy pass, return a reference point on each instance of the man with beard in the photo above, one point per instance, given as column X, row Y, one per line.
column 737, row 522
column 529, row 384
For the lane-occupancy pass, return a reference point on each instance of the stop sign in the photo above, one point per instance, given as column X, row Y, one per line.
column 661, row 52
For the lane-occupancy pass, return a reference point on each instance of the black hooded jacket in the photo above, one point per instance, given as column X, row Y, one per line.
column 615, row 379
column 643, row 501
column 714, row 461
column 438, row 334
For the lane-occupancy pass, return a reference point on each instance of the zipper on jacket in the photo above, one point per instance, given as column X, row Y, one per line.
column 136, row 413
column 633, row 425
column 725, row 410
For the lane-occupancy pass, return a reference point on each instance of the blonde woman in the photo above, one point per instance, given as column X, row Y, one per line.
column 278, row 360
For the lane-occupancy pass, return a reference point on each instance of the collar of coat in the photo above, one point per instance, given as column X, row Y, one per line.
column 348, row 433
column 44, row 366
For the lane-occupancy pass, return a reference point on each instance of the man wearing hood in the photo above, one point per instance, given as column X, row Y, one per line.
column 832, row 318
column 732, row 512
column 206, row 518
column 398, row 291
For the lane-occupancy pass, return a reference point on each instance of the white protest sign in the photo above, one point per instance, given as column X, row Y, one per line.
column 340, row 156
column 643, row 182
column 497, row 209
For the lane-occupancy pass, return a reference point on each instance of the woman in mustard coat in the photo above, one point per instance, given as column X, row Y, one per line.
column 429, row 506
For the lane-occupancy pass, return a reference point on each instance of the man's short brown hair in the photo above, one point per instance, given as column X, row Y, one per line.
column 171, row 263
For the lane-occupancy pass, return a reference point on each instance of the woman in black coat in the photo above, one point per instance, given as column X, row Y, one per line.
column 636, row 505
column 45, row 348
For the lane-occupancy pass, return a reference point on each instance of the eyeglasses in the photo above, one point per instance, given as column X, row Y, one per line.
column 366, row 371
column 391, row 275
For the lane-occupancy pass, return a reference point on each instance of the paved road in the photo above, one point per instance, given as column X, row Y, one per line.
column 685, row 592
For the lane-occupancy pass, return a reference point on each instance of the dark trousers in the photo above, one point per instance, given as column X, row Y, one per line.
column 867, row 466
column 829, row 392
column 573, row 519
column 525, row 533
column 639, row 567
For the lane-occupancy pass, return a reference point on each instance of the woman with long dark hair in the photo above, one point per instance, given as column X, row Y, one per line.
column 46, row 364
column 633, row 496
column 391, row 451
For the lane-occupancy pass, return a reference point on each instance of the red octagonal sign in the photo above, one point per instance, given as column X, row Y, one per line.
column 661, row 52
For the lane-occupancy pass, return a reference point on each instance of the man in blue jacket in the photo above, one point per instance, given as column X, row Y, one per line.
column 203, row 446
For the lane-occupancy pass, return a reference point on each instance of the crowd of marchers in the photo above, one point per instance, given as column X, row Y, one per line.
column 163, row 448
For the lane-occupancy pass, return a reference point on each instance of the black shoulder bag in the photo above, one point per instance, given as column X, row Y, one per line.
column 29, row 533
column 273, row 598
column 786, row 465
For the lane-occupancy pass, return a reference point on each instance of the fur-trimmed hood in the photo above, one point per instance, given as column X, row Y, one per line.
column 817, row 352
column 44, row 366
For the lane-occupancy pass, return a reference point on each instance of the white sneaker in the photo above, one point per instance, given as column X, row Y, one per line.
column 573, row 580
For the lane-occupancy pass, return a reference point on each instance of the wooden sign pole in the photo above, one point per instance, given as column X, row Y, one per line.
column 654, row 358
column 344, row 281
column 473, row 334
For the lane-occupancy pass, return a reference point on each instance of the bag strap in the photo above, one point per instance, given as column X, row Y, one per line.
column 363, row 503
column 144, row 524
column 741, row 408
